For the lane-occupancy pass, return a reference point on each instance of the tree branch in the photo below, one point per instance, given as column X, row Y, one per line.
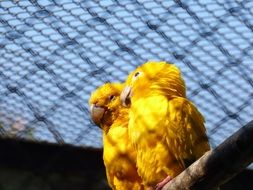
column 219, row 165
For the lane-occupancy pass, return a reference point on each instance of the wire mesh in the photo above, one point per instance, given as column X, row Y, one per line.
column 55, row 53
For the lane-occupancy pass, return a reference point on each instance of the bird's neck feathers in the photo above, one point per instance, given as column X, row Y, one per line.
column 114, row 117
column 121, row 115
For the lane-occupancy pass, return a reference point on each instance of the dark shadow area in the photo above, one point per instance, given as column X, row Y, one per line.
column 42, row 166
column 243, row 181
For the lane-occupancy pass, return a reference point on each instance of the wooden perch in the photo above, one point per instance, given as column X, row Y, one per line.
column 217, row 166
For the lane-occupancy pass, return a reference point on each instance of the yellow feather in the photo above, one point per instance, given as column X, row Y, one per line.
column 165, row 127
column 119, row 155
column 187, row 128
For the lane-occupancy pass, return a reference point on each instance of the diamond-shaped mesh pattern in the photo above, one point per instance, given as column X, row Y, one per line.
column 55, row 53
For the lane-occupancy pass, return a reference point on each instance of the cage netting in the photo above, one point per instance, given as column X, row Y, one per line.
column 54, row 53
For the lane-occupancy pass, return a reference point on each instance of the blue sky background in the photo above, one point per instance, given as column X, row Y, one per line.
column 55, row 53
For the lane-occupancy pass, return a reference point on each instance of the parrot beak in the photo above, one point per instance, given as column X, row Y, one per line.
column 125, row 96
column 97, row 113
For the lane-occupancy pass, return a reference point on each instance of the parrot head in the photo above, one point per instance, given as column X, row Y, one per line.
column 105, row 104
column 153, row 77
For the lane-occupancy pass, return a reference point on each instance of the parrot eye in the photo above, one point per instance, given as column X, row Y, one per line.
column 112, row 97
column 136, row 74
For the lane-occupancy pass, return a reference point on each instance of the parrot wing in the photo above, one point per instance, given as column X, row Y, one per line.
column 186, row 132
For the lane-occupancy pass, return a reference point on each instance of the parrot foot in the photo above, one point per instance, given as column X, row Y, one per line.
column 160, row 185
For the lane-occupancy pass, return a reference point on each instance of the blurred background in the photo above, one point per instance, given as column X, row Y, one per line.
column 54, row 53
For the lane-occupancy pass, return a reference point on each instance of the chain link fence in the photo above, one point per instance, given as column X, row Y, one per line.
column 54, row 53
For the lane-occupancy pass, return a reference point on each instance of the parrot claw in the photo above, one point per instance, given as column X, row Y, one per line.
column 160, row 185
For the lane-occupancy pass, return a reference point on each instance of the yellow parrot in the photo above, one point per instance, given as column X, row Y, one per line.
column 165, row 127
column 118, row 154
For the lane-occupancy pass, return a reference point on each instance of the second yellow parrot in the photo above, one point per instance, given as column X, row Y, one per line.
column 118, row 154
column 165, row 127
